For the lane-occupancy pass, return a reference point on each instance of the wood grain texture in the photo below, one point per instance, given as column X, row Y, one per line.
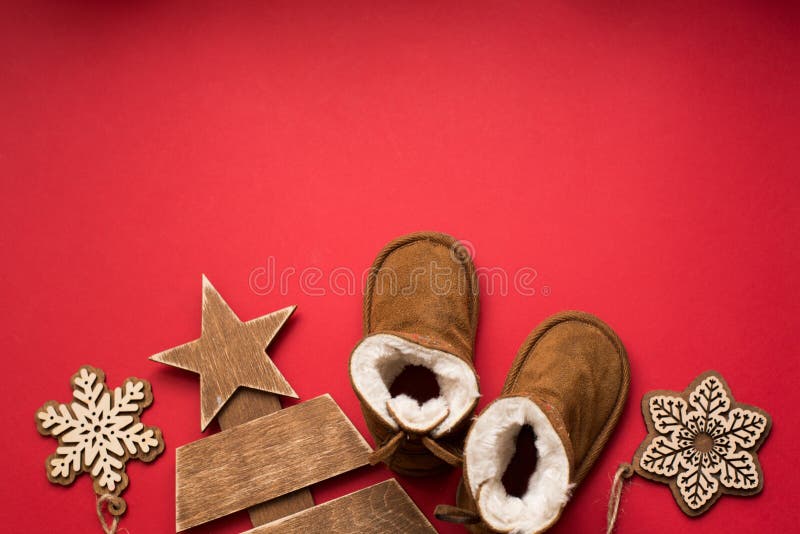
column 229, row 354
column 263, row 459
column 380, row 509
column 246, row 405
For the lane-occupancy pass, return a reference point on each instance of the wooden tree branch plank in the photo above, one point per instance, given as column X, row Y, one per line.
column 380, row 509
column 263, row 459
column 245, row 405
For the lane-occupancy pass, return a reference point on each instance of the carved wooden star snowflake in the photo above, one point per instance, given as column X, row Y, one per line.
column 99, row 431
column 702, row 443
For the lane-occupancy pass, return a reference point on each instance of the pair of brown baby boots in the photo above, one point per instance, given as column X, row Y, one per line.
column 414, row 376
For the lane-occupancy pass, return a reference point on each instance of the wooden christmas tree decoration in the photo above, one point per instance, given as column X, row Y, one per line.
column 98, row 433
column 231, row 354
column 382, row 508
column 265, row 458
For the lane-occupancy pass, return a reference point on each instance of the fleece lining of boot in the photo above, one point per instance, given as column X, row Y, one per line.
column 491, row 444
column 380, row 358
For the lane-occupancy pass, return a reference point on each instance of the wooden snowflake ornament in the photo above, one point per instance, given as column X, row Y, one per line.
column 98, row 432
column 702, row 443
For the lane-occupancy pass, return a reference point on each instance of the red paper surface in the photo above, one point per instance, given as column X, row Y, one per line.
column 643, row 161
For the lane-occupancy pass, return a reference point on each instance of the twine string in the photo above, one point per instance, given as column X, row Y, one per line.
column 116, row 506
column 624, row 471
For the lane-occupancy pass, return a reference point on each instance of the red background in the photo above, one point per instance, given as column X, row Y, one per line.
column 644, row 160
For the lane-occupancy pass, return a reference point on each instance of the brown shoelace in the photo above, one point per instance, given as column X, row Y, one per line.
column 454, row 514
column 447, row 454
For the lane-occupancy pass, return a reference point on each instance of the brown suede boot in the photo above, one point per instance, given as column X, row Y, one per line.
column 413, row 371
column 529, row 448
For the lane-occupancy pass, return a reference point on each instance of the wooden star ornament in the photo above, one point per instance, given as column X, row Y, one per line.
column 230, row 354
